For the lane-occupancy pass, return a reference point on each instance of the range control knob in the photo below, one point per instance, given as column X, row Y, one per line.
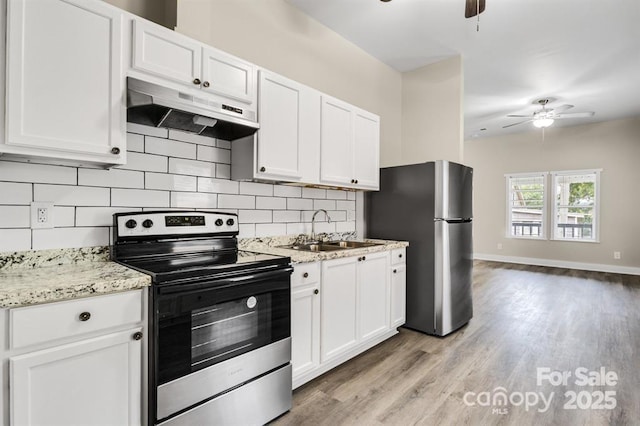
column 147, row 223
column 219, row 222
column 230, row 222
column 131, row 224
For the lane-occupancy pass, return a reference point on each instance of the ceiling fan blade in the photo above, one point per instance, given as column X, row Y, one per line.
column 519, row 122
column 562, row 108
column 471, row 8
column 576, row 115
column 519, row 116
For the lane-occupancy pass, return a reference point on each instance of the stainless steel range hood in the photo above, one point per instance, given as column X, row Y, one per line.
column 153, row 105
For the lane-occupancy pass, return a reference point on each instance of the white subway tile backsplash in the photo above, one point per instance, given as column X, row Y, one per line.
column 139, row 198
column 268, row 229
column 145, row 162
column 247, row 230
column 218, row 185
column 194, row 200
column 15, row 216
column 191, row 137
column 135, row 142
column 167, row 182
column 286, row 216
column 223, row 144
column 169, row 148
column 223, row 171
column 15, row 193
column 216, row 155
column 299, row 204
column 147, row 130
column 166, row 170
column 271, row 203
column 114, row 178
column 314, row 193
column 255, row 216
column 37, row 173
column 66, row 195
column 227, row 201
column 64, row 216
column 336, row 194
column 287, row 191
column 191, row 167
column 15, row 239
column 99, row 216
column 324, row 204
column 253, row 188
column 70, row 237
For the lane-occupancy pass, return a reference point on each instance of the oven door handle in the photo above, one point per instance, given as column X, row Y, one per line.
column 225, row 282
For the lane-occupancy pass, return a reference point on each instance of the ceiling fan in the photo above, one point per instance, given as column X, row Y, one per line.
column 546, row 116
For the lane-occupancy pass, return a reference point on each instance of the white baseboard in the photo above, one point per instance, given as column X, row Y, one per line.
column 629, row 270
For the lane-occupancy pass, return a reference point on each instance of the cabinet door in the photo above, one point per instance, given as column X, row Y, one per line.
column 65, row 85
column 339, row 322
column 165, row 53
column 279, row 137
column 373, row 290
column 92, row 382
column 305, row 329
column 398, row 295
column 336, row 137
column 229, row 76
column 366, row 150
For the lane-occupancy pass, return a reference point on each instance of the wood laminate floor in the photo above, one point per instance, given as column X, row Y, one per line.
column 525, row 318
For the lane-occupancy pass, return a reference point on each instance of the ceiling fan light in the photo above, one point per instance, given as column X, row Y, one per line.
column 541, row 123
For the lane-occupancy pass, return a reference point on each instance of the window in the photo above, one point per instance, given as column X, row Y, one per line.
column 526, row 205
column 575, row 205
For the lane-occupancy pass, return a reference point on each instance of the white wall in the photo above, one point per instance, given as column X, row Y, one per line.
column 613, row 146
column 432, row 125
column 279, row 37
column 165, row 169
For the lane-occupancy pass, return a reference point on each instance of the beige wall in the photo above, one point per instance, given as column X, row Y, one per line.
column 279, row 37
column 432, row 125
column 613, row 146
column 162, row 12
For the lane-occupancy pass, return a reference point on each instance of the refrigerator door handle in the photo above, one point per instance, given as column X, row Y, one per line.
column 453, row 219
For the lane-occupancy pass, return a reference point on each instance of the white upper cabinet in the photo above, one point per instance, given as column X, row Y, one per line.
column 349, row 146
column 170, row 55
column 65, row 83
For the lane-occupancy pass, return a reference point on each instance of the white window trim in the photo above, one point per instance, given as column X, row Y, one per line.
column 596, row 207
column 545, row 197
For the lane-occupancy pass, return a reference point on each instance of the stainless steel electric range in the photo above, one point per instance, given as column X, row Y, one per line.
column 220, row 319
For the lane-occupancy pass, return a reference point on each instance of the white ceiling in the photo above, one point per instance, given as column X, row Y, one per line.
column 580, row 52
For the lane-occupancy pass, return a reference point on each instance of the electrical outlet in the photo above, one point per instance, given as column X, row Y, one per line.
column 616, row 255
column 41, row 215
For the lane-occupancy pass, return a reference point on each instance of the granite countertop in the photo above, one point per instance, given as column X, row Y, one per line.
column 33, row 277
column 271, row 245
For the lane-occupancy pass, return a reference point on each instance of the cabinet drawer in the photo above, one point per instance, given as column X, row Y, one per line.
column 305, row 273
column 42, row 323
column 398, row 256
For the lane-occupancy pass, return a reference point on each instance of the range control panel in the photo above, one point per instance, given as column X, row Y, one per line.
column 156, row 223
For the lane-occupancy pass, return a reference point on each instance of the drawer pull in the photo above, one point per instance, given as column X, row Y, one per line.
column 305, row 275
column 395, row 271
column 137, row 335
column 84, row 316
column 316, row 291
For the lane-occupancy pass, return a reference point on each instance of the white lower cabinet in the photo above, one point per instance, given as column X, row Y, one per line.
column 86, row 370
column 344, row 308
column 92, row 382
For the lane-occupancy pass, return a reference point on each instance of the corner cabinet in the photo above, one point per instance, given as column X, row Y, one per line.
column 76, row 362
column 349, row 146
column 65, row 84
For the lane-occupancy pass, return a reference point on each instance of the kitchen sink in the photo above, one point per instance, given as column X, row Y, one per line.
column 330, row 246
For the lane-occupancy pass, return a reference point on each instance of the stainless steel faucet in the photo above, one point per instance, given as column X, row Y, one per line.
column 313, row 222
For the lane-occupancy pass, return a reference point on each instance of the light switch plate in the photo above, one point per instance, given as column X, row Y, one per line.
column 41, row 215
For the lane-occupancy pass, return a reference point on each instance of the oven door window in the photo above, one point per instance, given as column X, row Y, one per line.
column 202, row 327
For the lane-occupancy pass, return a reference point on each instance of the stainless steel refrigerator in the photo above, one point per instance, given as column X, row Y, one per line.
column 430, row 206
